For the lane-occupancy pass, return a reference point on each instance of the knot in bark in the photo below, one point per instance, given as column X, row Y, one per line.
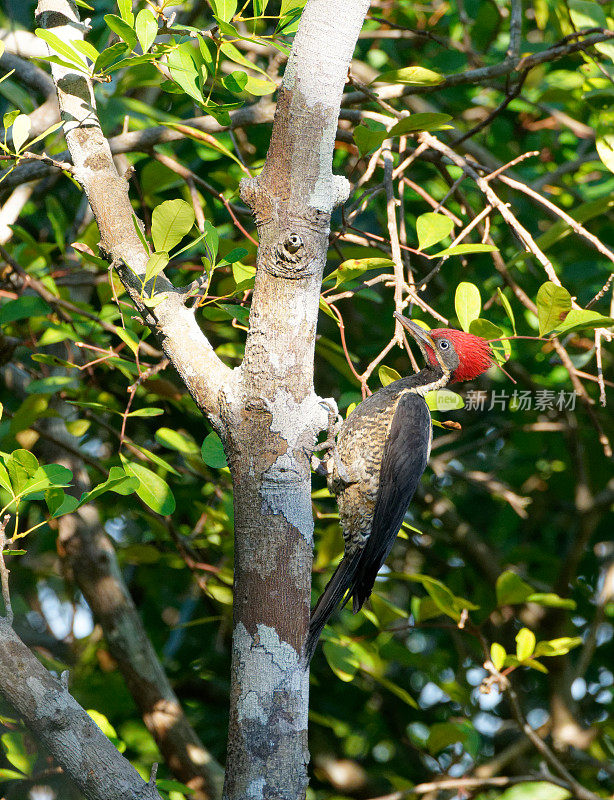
column 291, row 258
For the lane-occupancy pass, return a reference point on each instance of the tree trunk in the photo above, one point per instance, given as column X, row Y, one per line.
column 274, row 423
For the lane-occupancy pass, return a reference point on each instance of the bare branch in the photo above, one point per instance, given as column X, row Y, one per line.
column 183, row 342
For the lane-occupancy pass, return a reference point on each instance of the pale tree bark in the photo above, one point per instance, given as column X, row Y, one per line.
column 266, row 411
column 272, row 429
column 70, row 735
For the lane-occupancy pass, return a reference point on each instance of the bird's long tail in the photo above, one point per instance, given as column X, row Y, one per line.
column 343, row 579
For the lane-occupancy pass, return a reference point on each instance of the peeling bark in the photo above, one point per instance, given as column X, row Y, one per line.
column 273, row 429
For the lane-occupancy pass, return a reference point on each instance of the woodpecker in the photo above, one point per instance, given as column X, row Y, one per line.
column 381, row 451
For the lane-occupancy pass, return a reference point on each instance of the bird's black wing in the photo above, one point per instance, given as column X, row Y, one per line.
column 405, row 457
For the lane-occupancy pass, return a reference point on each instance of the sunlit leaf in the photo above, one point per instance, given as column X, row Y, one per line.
column 553, row 305
column 525, row 644
column 146, row 28
column 432, row 228
column 153, row 490
column 170, row 222
column 387, row 375
column 410, row 75
column 468, row 303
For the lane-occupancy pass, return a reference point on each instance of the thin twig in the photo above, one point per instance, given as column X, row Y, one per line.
column 542, row 748
column 393, row 232
column 575, row 226
column 4, row 573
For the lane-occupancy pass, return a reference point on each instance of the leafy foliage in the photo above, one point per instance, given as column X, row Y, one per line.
column 500, row 569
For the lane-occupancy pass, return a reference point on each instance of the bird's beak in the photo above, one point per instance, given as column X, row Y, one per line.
column 417, row 332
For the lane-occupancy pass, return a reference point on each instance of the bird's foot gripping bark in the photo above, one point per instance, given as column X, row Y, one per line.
column 335, row 420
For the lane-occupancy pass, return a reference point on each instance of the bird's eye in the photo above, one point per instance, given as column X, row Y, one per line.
column 444, row 344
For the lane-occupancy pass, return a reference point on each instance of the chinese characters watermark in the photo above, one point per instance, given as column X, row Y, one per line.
column 520, row 400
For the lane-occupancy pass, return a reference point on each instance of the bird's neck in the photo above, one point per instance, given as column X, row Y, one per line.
column 427, row 380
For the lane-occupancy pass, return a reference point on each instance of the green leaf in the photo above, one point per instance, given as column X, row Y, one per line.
column 109, row 56
column 525, row 644
column 323, row 305
column 59, row 503
column 242, row 273
column 508, row 309
column 579, row 318
column 368, row 138
column 551, row 600
column 512, row 590
column 146, row 28
column 432, row 228
column 212, row 451
column 176, row 441
column 130, row 338
column 558, row 647
column 24, row 307
column 50, row 385
column 20, row 131
column 468, row 303
column 212, row 242
column 585, row 14
column 153, row 490
column 443, row 734
column 16, row 753
column 531, row 662
column 486, row 329
column 60, row 46
column 156, row 263
column 118, row 481
column 147, row 412
column 86, row 49
column 170, row 222
column 423, row 121
column 122, row 29
column 356, row 267
column 605, row 149
column 9, row 118
column 235, row 82
column 240, row 313
column 125, row 9
column 11, row 774
column 497, row 655
column 184, row 63
column 21, row 466
column 235, row 255
column 46, row 476
column 5, row 481
column 387, row 375
column 341, row 660
column 259, row 87
column 442, row 596
column 410, row 75
column 553, row 305
column 444, row 400
column 224, row 9
column 466, row 249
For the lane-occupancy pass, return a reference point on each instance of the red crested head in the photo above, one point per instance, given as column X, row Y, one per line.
column 473, row 353
column 462, row 356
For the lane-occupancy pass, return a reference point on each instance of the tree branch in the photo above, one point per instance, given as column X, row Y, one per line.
column 183, row 342
column 70, row 735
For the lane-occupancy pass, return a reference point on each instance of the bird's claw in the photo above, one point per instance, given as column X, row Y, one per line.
column 335, row 421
